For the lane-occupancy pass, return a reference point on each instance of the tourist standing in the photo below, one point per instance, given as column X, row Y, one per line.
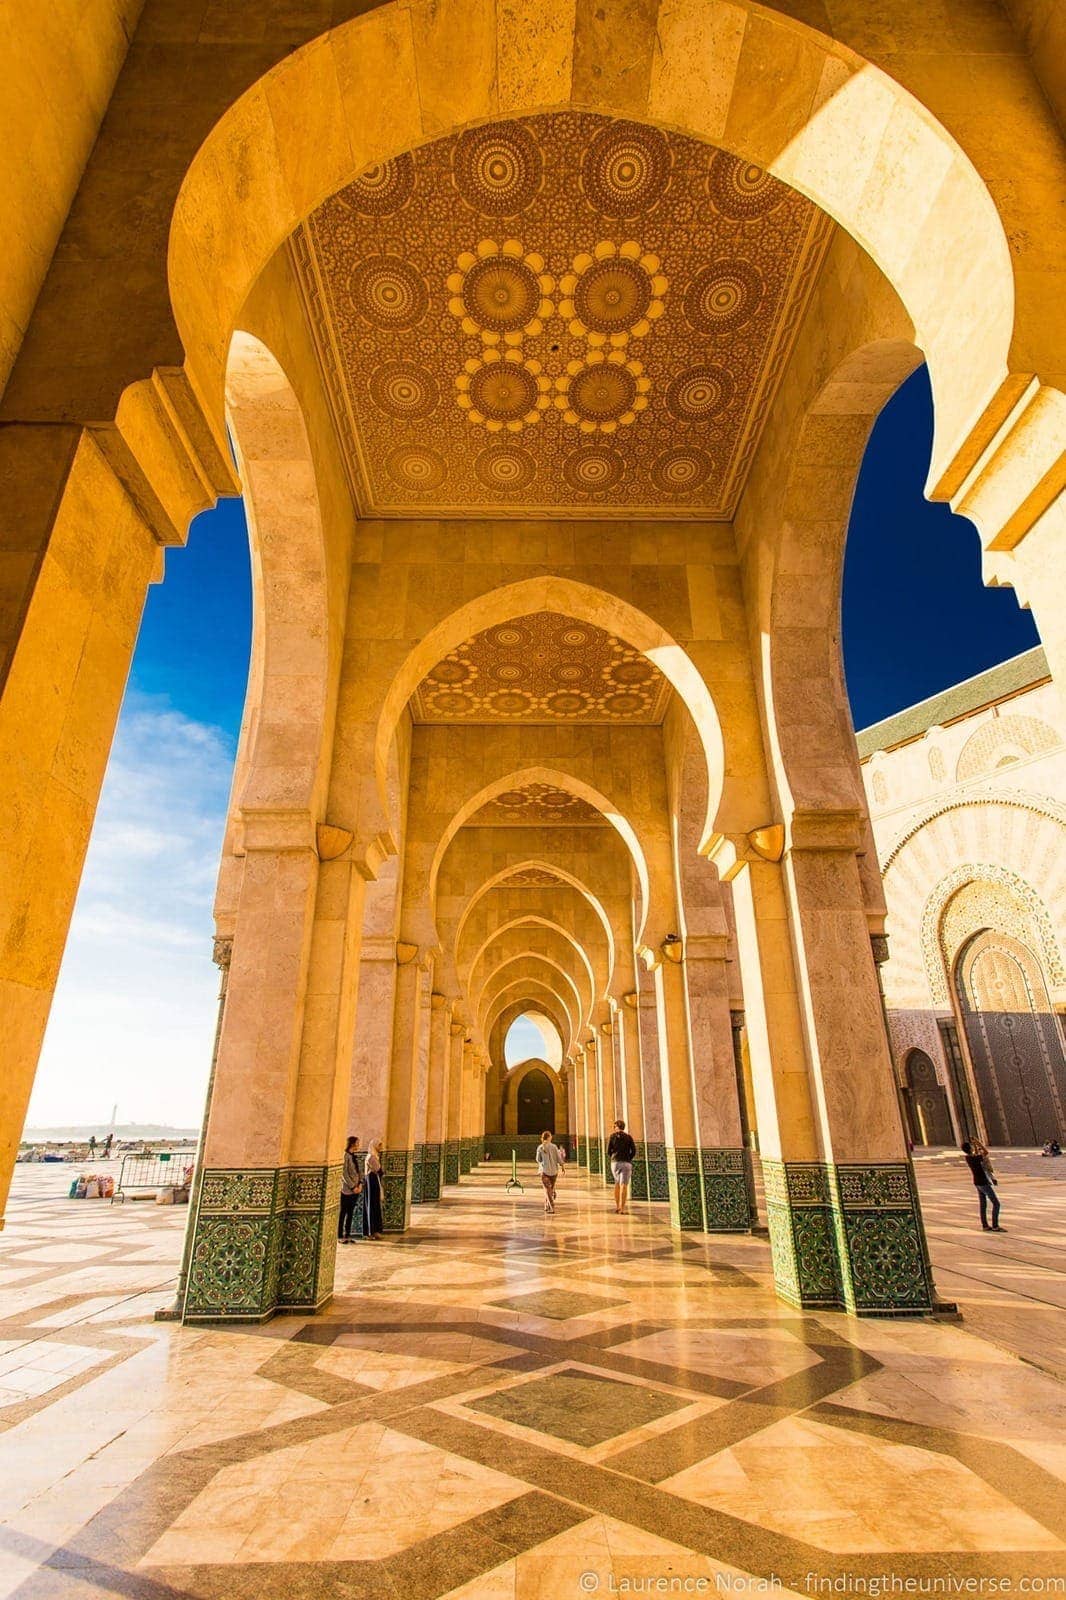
column 351, row 1188
column 373, row 1185
column 621, row 1153
column 984, row 1178
column 107, row 1146
column 550, row 1160
column 92, row 1145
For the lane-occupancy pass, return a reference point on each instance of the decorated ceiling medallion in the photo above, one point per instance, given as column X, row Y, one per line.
column 594, row 468
column 602, row 394
column 497, row 169
column 416, row 468
column 404, row 389
column 530, row 878
column 535, row 803
column 540, row 192
column 626, row 169
column 742, row 191
column 723, row 297
column 383, row 188
column 681, row 471
column 544, row 667
column 699, row 394
column 500, row 292
column 505, row 468
column 388, row 292
column 503, row 391
column 613, row 295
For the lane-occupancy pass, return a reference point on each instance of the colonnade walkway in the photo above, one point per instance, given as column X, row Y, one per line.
column 499, row 1405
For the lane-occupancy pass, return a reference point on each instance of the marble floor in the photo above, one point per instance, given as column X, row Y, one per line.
column 500, row 1406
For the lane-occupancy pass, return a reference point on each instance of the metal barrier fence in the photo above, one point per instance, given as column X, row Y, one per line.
column 164, row 1170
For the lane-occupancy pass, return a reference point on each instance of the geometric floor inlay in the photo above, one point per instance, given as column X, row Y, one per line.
column 559, row 1304
column 579, row 1406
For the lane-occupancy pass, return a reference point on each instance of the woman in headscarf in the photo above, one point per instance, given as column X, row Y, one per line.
column 373, row 1184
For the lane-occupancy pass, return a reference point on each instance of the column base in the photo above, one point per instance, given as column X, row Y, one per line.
column 396, row 1173
column 848, row 1236
column 467, row 1147
column 451, row 1161
column 582, row 1150
column 595, row 1156
column 264, row 1241
column 417, row 1156
column 686, row 1189
column 658, row 1179
column 638, row 1189
column 728, row 1195
column 432, row 1161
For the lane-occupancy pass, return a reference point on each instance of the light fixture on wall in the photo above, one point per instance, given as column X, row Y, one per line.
column 673, row 948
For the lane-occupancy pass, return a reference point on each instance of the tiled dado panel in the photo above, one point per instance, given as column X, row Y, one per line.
column 264, row 1241
column 396, row 1174
column 848, row 1236
column 728, row 1194
column 451, row 1161
column 686, row 1190
column 432, row 1160
column 658, row 1179
column 417, row 1155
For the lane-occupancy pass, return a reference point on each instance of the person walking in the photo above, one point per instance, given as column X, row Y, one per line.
column 621, row 1153
column 92, row 1145
column 351, row 1188
column 984, row 1178
column 373, row 1189
column 550, row 1160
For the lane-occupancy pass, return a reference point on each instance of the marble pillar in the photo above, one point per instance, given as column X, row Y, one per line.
column 678, row 1089
column 651, row 1089
column 725, row 1161
column 453, row 1126
column 627, row 1031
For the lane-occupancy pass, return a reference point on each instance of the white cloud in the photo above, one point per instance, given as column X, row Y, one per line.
column 134, row 1013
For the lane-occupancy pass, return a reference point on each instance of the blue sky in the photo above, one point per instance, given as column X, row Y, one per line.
column 134, row 1012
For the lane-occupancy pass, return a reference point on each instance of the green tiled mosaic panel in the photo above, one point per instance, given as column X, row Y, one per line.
column 396, row 1183
column 451, row 1161
column 638, row 1189
column 416, row 1175
column 432, row 1161
column 848, row 1236
column 595, row 1156
column 686, row 1189
column 727, row 1193
column 658, row 1179
column 264, row 1241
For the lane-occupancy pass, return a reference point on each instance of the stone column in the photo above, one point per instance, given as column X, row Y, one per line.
column 865, row 1182
column 679, row 1099
column 420, row 1105
column 453, row 1128
column 725, row 1162
column 651, row 1089
column 466, row 1150
column 78, row 556
column 842, row 1208
column 368, row 1103
column 261, row 1242
column 436, row 1097
column 403, row 1082
column 627, row 1030
column 594, row 1108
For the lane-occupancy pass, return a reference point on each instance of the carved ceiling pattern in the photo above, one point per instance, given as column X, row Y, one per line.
column 543, row 668
column 559, row 313
column 530, row 878
column 535, row 803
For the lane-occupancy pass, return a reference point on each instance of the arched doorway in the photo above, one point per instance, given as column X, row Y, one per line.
column 1014, row 1040
column 536, row 1102
column 927, row 1104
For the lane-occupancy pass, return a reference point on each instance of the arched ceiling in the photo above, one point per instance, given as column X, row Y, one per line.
column 562, row 313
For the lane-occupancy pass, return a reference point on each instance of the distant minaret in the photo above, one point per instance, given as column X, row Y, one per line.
column 114, row 1116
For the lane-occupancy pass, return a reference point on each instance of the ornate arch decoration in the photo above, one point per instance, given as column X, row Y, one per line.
column 562, row 780
column 1019, row 734
column 1041, row 805
column 552, row 972
column 523, row 989
column 586, row 604
column 853, row 140
column 938, row 958
column 534, row 921
column 538, row 864
column 516, row 1008
column 476, row 983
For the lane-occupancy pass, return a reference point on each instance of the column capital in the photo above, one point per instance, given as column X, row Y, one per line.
column 222, row 951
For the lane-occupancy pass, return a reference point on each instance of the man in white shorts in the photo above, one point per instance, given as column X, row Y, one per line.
column 550, row 1160
column 621, row 1153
